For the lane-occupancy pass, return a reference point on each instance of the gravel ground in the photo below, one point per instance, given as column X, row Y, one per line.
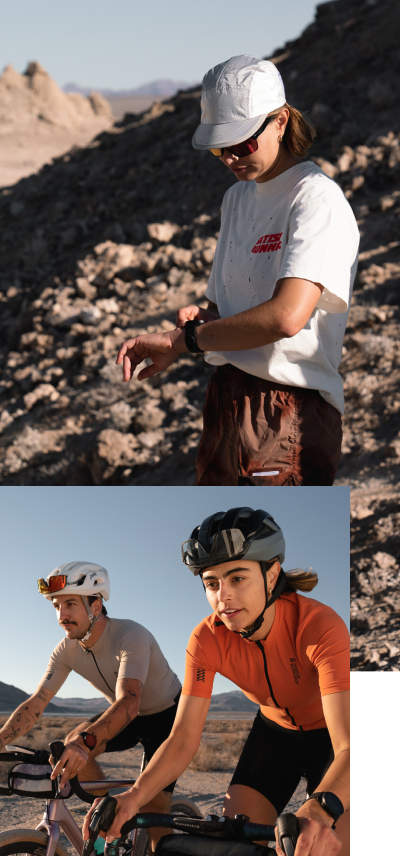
column 206, row 789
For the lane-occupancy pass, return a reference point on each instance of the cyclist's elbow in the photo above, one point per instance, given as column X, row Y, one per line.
column 184, row 744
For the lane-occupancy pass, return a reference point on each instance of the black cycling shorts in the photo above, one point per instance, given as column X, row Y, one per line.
column 150, row 731
column 274, row 759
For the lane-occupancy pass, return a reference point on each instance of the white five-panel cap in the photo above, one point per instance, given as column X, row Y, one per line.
column 237, row 96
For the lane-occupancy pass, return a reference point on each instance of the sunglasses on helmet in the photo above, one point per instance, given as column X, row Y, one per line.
column 52, row 584
column 248, row 147
column 226, row 545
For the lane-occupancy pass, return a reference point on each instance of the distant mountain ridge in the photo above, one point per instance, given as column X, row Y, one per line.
column 11, row 697
column 158, row 88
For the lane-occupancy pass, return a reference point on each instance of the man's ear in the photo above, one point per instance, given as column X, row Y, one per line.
column 97, row 606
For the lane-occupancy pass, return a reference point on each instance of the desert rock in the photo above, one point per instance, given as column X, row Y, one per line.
column 39, row 121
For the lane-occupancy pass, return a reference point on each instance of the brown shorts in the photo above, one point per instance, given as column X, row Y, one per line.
column 254, row 426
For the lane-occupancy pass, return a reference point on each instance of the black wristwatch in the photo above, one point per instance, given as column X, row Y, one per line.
column 330, row 803
column 89, row 739
column 190, row 337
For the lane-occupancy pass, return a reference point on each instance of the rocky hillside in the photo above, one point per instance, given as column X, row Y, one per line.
column 110, row 239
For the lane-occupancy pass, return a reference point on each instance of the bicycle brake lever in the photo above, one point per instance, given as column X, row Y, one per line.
column 101, row 820
column 57, row 748
column 288, row 833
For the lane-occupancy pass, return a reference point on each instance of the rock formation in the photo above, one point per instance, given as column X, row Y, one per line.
column 39, row 121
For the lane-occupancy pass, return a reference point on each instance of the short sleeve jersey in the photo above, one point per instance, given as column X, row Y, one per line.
column 305, row 656
column 125, row 650
column 296, row 225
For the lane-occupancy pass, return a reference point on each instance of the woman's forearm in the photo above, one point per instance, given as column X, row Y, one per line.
column 250, row 329
column 336, row 780
column 167, row 764
column 284, row 315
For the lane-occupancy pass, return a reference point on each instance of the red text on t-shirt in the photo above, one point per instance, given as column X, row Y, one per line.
column 268, row 243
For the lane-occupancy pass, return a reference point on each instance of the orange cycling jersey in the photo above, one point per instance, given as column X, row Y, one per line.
column 304, row 657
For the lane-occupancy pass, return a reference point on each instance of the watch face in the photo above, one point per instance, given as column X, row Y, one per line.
column 332, row 803
column 89, row 740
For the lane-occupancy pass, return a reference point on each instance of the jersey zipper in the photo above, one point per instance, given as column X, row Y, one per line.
column 259, row 645
column 88, row 651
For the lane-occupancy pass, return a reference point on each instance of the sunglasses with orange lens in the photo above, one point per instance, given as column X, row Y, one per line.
column 52, row 585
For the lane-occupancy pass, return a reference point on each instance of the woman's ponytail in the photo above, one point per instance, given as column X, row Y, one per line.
column 296, row 580
column 300, row 132
column 300, row 580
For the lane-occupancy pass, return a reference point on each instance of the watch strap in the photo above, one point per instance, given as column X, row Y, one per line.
column 190, row 336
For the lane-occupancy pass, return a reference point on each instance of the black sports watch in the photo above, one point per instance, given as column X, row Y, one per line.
column 190, row 337
column 89, row 739
column 330, row 803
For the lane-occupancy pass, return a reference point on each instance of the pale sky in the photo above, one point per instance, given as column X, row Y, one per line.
column 136, row 533
column 126, row 43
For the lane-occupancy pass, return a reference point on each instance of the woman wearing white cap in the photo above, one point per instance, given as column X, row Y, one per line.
column 279, row 293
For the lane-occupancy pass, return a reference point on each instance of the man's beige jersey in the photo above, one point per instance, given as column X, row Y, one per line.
column 125, row 650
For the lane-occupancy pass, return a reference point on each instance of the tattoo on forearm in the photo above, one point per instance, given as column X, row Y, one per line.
column 13, row 733
column 43, row 695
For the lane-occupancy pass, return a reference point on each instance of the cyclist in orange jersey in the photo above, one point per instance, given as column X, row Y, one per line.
column 287, row 652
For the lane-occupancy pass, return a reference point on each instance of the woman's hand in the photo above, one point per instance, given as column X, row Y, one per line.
column 189, row 313
column 128, row 806
column 162, row 348
column 316, row 836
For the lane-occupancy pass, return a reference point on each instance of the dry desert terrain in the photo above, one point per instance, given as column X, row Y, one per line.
column 205, row 781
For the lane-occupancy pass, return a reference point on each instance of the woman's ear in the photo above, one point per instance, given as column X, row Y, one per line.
column 272, row 575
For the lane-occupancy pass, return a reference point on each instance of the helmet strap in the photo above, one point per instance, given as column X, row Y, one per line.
column 280, row 585
column 92, row 620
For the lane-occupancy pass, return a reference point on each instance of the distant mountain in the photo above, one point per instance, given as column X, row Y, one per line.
column 89, row 705
column 11, row 697
column 157, row 88
column 232, row 701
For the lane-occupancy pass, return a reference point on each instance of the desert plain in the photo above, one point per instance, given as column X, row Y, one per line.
column 204, row 782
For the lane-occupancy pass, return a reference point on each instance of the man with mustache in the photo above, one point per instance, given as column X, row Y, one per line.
column 121, row 659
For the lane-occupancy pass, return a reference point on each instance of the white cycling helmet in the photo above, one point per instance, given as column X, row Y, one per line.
column 83, row 578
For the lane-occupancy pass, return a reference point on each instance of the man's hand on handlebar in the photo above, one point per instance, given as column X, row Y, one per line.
column 128, row 806
column 73, row 759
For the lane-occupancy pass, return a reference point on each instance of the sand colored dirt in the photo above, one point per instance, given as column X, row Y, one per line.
column 38, row 121
column 206, row 788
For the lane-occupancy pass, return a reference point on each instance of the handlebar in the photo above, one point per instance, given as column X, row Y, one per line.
column 57, row 748
column 229, row 829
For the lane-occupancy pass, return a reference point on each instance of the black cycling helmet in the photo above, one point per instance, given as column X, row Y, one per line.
column 232, row 534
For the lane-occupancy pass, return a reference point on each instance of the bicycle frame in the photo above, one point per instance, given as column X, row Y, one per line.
column 57, row 817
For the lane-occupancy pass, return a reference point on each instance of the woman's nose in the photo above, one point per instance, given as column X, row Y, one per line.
column 228, row 157
column 223, row 592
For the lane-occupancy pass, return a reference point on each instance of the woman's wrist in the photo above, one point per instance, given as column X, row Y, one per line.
column 312, row 810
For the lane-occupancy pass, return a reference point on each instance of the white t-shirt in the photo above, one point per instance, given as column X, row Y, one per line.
column 296, row 225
